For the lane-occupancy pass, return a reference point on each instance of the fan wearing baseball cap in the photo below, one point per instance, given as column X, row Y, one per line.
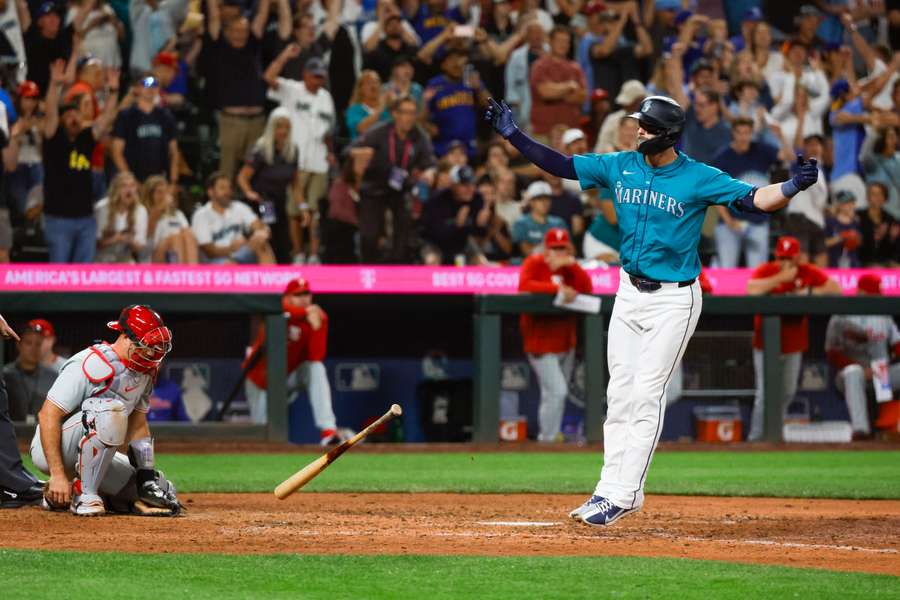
column 863, row 349
column 549, row 340
column 49, row 357
column 787, row 274
column 529, row 230
column 307, row 343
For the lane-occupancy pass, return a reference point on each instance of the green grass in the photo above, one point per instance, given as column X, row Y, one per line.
column 32, row 575
column 814, row 474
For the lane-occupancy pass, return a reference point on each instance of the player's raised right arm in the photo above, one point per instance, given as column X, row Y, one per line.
column 501, row 119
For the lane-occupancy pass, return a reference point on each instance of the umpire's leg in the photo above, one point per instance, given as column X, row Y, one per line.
column 13, row 474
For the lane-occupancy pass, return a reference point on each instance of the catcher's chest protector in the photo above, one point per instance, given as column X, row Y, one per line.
column 106, row 371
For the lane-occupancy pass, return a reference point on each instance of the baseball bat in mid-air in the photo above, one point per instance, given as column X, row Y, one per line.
column 307, row 473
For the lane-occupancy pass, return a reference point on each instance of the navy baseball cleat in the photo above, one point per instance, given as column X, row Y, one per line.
column 602, row 512
column 576, row 514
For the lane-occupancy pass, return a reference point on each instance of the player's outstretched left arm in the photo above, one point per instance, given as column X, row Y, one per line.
column 500, row 116
column 772, row 197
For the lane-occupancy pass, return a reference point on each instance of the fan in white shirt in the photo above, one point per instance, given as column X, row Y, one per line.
column 229, row 232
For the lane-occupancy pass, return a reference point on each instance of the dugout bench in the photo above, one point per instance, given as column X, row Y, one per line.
column 487, row 352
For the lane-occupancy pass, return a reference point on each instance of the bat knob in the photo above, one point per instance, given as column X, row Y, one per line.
column 396, row 410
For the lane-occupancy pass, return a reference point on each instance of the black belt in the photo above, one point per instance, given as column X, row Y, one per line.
column 651, row 285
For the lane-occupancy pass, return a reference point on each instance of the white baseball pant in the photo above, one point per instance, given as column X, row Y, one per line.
column 790, row 376
column 314, row 378
column 553, row 371
column 648, row 334
column 851, row 381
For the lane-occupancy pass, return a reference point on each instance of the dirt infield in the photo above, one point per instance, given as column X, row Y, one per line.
column 844, row 535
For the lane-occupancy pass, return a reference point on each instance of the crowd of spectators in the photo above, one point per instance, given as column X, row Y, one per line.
column 343, row 131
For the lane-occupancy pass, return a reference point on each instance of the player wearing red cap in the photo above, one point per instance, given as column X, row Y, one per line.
column 785, row 275
column 98, row 403
column 307, row 344
column 550, row 340
column 49, row 357
column 864, row 351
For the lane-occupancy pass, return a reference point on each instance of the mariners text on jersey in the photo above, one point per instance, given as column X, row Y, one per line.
column 660, row 210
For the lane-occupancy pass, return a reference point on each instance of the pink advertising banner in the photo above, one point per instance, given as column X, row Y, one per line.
column 358, row 279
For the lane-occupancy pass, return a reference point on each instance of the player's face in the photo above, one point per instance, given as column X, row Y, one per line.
column 238, row 32
column 742, row 136
column 30, row 347
column 463, row 192
column 221, row 191
column 876, row 196
column 405, row 116
column 282, row 131
column 560, row 43
column 299, row 300
column 541, row 205
column 788, row 261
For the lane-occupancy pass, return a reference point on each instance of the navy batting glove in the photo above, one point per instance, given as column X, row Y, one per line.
column 805, row 175
column 500, row 117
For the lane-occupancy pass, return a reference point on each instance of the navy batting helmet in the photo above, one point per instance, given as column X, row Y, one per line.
column 662, row 117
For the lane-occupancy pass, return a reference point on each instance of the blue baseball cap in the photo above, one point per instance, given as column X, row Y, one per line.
column 753, row 14
column 839, row 88
column 46, row 8
column 683, row 16
column 672, row 5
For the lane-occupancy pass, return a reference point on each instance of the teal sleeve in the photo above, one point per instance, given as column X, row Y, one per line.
column 519, row 231
column 717, row 187
column 355, row 114
column 593, row 169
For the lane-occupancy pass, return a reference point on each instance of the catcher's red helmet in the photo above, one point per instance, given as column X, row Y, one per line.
column 151, row 338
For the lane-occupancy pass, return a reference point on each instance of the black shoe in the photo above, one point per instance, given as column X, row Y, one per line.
column 10, row 499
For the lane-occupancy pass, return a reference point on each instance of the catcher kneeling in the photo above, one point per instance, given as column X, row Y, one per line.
column 98, row 403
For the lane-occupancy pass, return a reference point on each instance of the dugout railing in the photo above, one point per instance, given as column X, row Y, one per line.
column 488, row 358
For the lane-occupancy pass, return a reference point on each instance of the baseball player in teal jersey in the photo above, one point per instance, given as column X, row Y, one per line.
column 661, row 197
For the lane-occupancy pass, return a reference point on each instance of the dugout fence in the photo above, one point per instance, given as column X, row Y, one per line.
column 484, row 338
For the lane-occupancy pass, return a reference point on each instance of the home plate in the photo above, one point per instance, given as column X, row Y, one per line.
column 519, row 523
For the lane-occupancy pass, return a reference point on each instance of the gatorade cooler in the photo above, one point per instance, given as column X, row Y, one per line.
column 514, row 430
column 720, row 424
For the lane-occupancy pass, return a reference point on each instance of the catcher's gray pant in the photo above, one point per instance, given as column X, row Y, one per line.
column 314, row 378
column 851, row 381
column 553, row 372
column 790, row 373
column 118, row 474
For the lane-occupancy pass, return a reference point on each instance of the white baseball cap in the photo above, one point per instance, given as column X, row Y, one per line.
column 632, row 91
column 571, row 135
column 538, row 189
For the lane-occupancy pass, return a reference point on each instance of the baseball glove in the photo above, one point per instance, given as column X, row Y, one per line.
column 156, row 496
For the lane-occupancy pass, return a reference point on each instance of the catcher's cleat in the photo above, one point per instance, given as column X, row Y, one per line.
column 328, row 437
column 87, row 505
column 345, row 433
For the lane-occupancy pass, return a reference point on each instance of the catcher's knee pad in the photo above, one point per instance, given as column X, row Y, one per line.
column 108, row 419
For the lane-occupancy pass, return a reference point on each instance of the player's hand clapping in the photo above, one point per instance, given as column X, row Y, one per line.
column 500, row 116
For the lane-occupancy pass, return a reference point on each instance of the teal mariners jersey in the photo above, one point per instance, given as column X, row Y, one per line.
column 660, row 211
